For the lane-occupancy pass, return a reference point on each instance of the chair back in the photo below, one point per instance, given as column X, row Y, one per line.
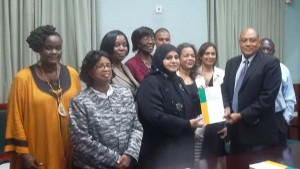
column 3, row 114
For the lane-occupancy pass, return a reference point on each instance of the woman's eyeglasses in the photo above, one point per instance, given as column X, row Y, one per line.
column 147, row 39
column 102, row 67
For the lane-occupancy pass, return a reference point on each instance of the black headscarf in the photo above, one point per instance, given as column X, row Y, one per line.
column 159, row 55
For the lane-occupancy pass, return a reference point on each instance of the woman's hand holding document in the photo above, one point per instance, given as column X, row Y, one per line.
column 197, row 122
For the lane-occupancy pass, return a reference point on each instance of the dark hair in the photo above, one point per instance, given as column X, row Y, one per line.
column 202, row 50
column 160, row 30
column 38, row 36
column 108, row 42
column 90, row 60
column 267, row 39
column 138, row 34
column 272, row 50
column 180, row 47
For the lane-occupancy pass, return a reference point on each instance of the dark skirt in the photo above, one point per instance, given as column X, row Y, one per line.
column 213, row 145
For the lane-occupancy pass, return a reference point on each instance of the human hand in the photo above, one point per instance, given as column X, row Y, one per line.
column 222, row 133
column 197, row 122
column 227, row 112
column 199, row 134
column 233, row 118
column 124, row 161
column 198, row 138
column 29, row 162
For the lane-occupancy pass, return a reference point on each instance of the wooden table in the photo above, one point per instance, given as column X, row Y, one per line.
column 289, row 155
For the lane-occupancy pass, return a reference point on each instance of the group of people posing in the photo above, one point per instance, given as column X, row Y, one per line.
column 145, row 113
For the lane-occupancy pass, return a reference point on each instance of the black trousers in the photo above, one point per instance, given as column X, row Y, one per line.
column 282, row 126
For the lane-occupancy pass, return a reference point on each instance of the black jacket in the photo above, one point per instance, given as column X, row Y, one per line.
column 257, row 96
column 164, row 109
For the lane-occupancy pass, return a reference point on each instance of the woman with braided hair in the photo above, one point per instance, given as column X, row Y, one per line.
column 40, row 95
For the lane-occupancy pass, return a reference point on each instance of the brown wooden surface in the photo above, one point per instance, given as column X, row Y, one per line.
column 294, row 131
column 289, row 155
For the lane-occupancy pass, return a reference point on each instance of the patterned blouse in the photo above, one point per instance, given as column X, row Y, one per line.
column 104, row 127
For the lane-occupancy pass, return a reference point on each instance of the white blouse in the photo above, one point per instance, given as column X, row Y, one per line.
column 217, row 77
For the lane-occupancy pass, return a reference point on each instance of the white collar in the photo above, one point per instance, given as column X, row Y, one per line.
column 104, row 95
column 249, row 59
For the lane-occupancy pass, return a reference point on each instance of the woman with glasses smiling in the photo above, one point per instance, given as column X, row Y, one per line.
column 115, row 43
column 104, row 128
column 143, row 42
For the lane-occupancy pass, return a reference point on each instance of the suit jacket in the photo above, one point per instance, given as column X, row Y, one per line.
column 257, row 96
column 127, row 80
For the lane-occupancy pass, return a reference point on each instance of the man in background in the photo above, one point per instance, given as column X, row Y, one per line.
column 286, row 99
column 251, row 84
column 162, row 36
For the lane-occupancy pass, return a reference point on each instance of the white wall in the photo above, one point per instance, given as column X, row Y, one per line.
column 185, row 19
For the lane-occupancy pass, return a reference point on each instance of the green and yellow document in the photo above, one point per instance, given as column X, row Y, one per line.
column 211, row 104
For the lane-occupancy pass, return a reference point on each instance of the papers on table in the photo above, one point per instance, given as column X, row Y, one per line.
column 211, row 104
column 269, row 165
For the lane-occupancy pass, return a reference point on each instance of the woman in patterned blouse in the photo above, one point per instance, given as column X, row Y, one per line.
column 104, row 127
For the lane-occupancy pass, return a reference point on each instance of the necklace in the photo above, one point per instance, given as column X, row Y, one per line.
column 61, row 110
column 54, row 83
column 147, row 63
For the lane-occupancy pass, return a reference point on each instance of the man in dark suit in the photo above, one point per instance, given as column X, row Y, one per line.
column 249, row 90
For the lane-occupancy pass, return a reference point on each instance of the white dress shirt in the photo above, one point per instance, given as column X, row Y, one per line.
column 242, row 64
column 286, row 98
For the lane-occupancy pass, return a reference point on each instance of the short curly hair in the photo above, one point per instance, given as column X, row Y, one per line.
column 138, row 34
column 38, row 36
column 90, row 60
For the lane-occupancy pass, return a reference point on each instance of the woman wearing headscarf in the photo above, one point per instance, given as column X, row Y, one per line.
column 167, row 114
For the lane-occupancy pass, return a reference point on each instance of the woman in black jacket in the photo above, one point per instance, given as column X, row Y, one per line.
column 167, row 114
